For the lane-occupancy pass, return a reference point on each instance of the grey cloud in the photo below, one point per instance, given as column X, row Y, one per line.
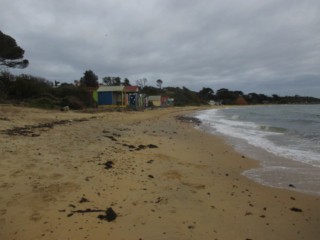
column 248, row 45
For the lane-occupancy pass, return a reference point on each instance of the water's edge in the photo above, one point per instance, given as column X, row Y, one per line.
column 274, row 171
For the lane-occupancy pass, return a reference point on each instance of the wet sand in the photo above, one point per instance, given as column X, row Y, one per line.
column 135, row 175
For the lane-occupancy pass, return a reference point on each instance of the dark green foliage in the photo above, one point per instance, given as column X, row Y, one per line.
column 112, row 81
column 126, row 82
column 183, row 96
column 44, row 102
column 22, row 86
column 152, row 91
column 89, row 79
column 6, row 80
column 39, row 92
column 10, row 53
column 150, row 104
column 255, row 98
column 72, row 96
column 73, row 103
column 26, row 86
column 115, row 81
column 206, row 94
column 159, row 83
column 226, row 96
column 69, row 90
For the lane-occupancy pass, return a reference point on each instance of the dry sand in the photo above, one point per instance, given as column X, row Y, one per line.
column 159, row 177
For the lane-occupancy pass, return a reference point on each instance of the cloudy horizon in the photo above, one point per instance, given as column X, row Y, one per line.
column 262, row 46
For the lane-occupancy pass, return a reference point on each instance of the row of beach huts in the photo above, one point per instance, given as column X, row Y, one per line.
column 128, row 96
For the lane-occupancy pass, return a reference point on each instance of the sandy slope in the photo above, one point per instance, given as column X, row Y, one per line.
column 163, row 179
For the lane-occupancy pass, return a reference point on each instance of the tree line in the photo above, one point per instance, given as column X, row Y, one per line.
column 43, row 93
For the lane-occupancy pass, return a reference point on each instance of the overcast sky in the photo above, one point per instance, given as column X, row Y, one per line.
column 263, row 46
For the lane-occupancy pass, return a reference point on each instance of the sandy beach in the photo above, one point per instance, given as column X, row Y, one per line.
column 135, row 175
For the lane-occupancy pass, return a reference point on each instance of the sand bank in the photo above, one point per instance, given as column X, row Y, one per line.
column 135, row 175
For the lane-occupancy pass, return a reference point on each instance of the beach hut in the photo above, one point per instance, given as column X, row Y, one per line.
column 111, row 96
column 159, row 100
column 132, row 93
column 155, row 100
column 134, row 98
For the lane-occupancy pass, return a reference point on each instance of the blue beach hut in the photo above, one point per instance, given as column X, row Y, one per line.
column 111, row 96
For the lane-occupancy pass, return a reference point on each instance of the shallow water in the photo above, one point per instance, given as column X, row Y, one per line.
column 285, row 139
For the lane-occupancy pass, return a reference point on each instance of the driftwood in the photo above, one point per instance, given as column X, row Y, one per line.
column 109, row 215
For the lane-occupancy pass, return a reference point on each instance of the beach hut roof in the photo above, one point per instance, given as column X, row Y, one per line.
column 110, row 89
column 131, row 88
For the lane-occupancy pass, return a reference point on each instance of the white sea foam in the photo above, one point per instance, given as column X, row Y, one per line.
column 260, row 136
column 285, row 139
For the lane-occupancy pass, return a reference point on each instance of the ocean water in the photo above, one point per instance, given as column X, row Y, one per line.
column 284, row 138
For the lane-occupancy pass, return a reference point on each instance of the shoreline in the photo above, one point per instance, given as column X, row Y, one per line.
column 274, row 170
column 163, row 179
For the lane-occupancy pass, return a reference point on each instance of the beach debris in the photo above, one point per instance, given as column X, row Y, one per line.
column 29, row 130
column 294, row 209
column 129, row 146
column 292, row 186
column 88, row 210
column 112, row 138
column 161, row 200
column 109, row 216
column 141, row 147
column 83, row 200
column 16, row 131
column 248, row 213
column 152, row 146
column 108, row 165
